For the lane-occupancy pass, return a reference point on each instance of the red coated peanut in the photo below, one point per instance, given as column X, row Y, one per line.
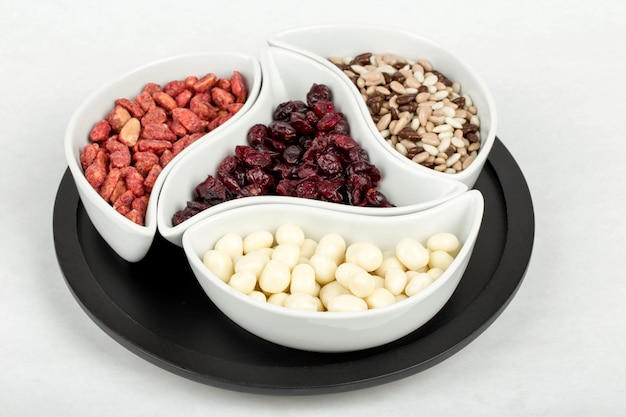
column 118, row 118
column 158, row 131
column 146, row 101
column 154, row 115
column 222, row 97
column 189, row 120
column 238, row 87
column 100, row 131
column 165, row 100
column 110, row 183
column 183, row 98
column 132, row 106
column 129, row 148
column 205, row 83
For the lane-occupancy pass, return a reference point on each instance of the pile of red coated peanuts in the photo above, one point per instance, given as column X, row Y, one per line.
column 129, row 148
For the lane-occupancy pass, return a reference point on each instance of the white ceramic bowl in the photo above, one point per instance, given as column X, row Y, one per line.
column 289, row 76
column 322, row 42
column 130, row 240
column 337, row 331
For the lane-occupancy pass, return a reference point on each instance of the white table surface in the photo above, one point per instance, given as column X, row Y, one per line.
column 556, row 70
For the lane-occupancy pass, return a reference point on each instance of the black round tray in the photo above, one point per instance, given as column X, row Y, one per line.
column 156, row 308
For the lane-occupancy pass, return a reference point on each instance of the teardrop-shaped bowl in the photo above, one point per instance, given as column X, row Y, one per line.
column 325, row 41
column 128, row 239
column 325, row 331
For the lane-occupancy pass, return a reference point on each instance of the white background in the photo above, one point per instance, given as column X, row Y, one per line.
column 556, row 70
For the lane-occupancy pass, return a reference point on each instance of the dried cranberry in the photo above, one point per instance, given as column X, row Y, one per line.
column 292, row 153
column 301, row 123
column 283, row 170
column 261, row 179
column 344, row 142
column 312, row 117
column 323, row 107
column 283, row 110
column 286, row 187
column 191, row 209
column 250, row 190
column 230, row 181
column 329, row 163
column 358, row 154
column 330, row 190
column 257, row 134
column 328, row 121
column 307, row 189
column 252, row 157
column 376, row 199
column 342, row 127
column 318, row 92
column 211, row 189
column 273, row 146
column 228, row 164
column 282, row 130
column 306, row 170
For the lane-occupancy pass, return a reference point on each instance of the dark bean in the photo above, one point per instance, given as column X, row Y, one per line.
column 459, row 101
column 399, row 77
column 362, row 59
column 469, row 128
column 405, row 98
column 411, row 107
column 408, row 133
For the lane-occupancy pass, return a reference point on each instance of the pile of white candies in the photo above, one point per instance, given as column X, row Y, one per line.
column 288, row 269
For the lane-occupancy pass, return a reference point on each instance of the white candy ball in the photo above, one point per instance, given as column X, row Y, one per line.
column 412, row 253
column 219, row 263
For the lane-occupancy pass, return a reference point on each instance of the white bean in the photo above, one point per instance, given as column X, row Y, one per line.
column 390, row 260
column 379, row 282
column 253, row 261
column 435, row 273
column 324, row 267
column 380, row 297
column 231, row 243
column 345, row 303
column 418, row 283
column 289, row 253
column 443, row 241
column 440, row 259
column 257, row 240
column 302, row 301
column 307, row 248
column 361, row 284
column 219, row 263
column 331, row 290
column 303, row 280
column 344, row 272
column 367, row 255
column 244, row 281
column 412, row 253
column 332, row 245
column 258, row 295
column 275, row 277
column 278, row 298
column 289, row 233
column 395, row 280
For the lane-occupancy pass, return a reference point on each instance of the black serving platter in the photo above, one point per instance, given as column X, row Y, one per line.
column 157, row 310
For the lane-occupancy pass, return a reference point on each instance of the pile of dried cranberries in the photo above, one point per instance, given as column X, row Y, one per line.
column 306, row 152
